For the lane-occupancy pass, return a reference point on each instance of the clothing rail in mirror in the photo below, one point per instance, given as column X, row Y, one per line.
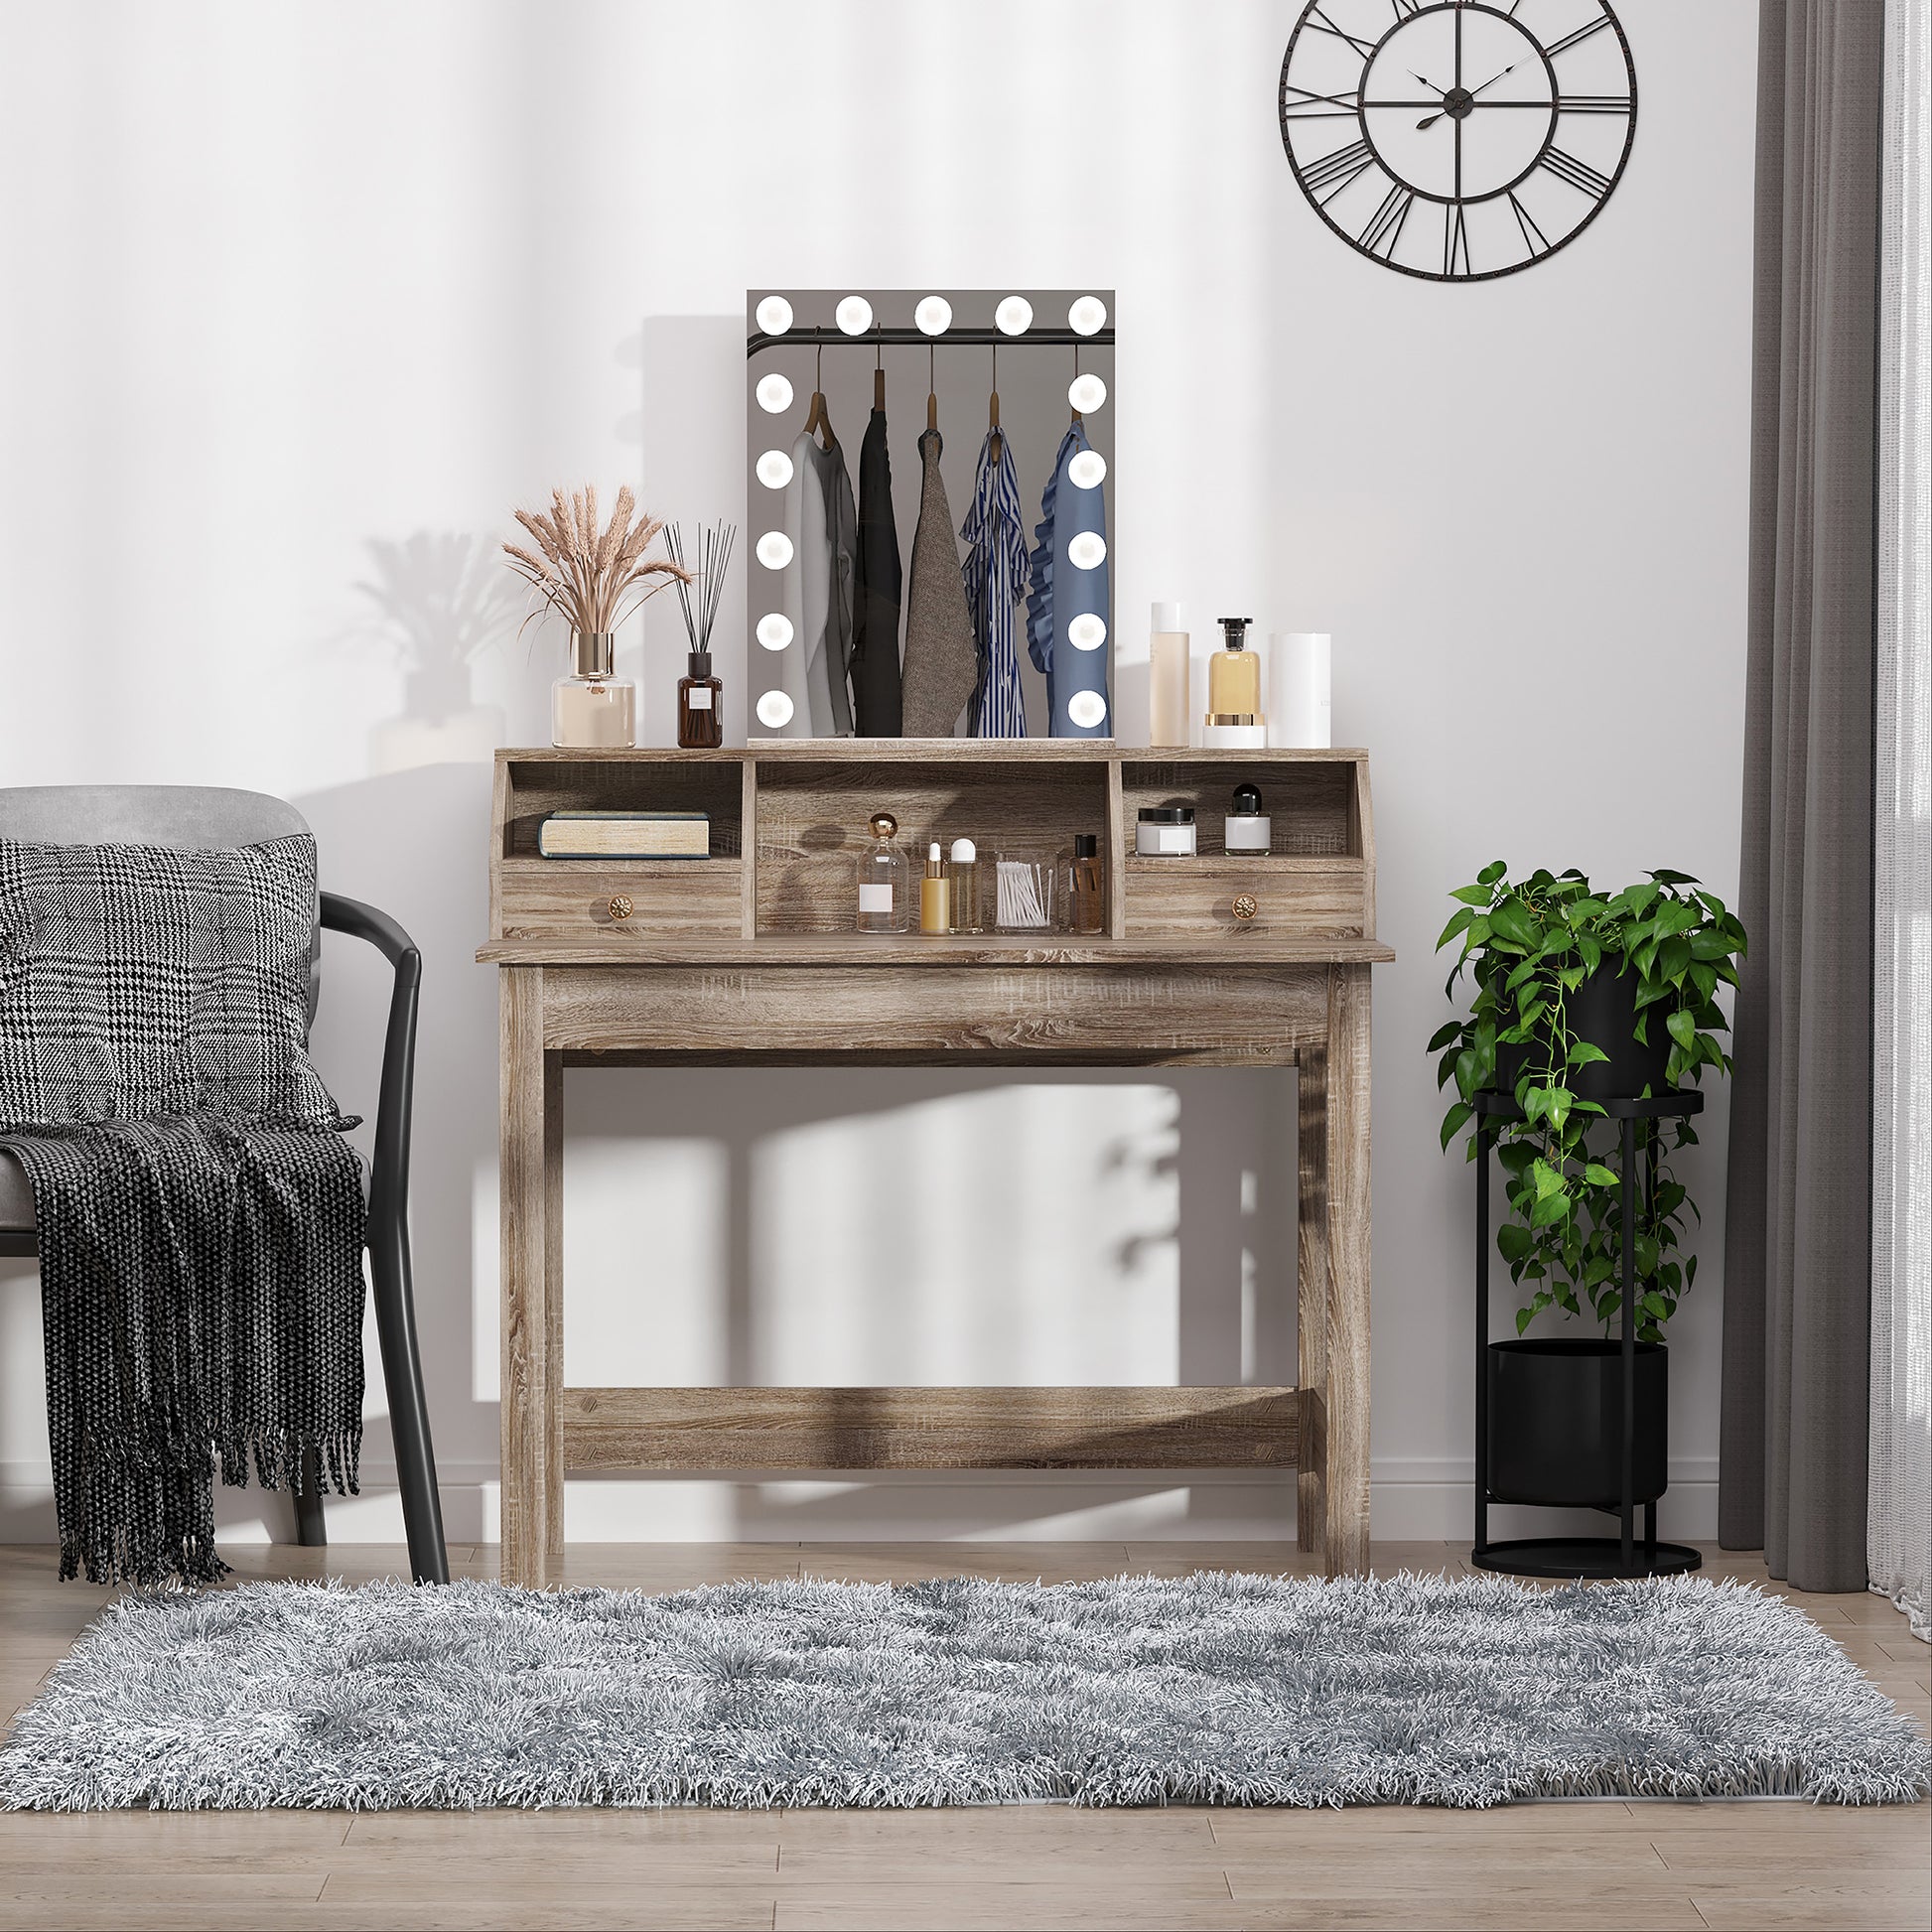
column 930, row 534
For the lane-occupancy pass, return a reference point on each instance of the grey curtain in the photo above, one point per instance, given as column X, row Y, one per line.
column 1797, row 1239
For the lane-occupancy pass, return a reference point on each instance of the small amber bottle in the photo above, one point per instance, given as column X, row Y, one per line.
column 700, row 707
column 933, row 893
column 1089, row 889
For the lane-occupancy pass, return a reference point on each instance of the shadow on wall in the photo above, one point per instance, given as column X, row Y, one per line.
column 438, row 602
column 415, row 843
column 846, row 1228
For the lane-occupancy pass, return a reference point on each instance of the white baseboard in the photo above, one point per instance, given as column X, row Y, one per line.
column 1416, row 1500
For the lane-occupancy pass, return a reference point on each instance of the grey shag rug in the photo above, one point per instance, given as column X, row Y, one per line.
column 1210, row 1689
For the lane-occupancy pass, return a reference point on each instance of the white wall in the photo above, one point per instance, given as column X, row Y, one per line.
column 286, row 283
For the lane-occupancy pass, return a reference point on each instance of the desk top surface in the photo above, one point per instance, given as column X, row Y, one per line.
column 626, row 948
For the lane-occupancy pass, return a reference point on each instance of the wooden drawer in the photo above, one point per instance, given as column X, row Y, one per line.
column 1196, row 896
column 699, row 899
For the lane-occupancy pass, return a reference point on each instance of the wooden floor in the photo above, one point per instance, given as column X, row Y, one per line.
column 1751, row 1864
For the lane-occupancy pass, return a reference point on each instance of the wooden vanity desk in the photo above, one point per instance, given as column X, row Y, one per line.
column 750, row 958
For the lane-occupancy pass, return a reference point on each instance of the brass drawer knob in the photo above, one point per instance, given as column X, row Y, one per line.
column 620, row 906
column 1245, row 906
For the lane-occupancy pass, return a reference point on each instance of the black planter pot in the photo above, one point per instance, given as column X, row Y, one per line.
column 1555, row 1422
column 1602, row 1011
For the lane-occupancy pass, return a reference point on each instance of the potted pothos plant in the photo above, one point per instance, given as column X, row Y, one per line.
column 1582, row 997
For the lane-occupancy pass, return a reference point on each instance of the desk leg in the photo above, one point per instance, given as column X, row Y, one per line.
column 1311, row 1273
column 1346, row 1395
column 532, row 1365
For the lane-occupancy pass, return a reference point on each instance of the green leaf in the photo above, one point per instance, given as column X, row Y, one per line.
column 1655, row 1305
column 1455, row 1120
column 1513, row 1241
column 1599, row 1176
column 1471, row 895
column 1508, row 920
column 1524, row 1317
column 1683, row 1030
column 1546, row 1179
column 1582, row 1054
column 1492, row 871
column 1440, row 1038
column 1461, row 923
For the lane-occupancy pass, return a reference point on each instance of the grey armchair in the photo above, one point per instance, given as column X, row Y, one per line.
column 206, row 818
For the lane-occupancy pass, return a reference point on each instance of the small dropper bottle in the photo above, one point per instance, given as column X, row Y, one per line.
column 963, row 887
column 933, row 893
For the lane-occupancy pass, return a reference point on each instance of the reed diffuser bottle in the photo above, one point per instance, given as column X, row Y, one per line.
column 700, row 707
column 700, row 695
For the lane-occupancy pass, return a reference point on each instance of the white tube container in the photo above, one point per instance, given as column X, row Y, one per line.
column 1298, row 689
column 1170, row 710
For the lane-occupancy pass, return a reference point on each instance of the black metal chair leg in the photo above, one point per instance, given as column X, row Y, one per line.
column 310, row 1529
column 395, row 1307
column 402, row 1374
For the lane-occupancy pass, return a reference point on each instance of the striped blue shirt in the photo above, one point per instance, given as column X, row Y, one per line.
column 995, row 580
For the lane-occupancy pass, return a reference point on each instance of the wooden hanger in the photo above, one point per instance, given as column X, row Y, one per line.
column 816, row 417
column 879, row 383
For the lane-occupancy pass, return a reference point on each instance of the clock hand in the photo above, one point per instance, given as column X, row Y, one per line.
column 1430, row 85
column 1473, row 91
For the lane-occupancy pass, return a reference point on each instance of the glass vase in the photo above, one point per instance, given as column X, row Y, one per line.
column 591, row 710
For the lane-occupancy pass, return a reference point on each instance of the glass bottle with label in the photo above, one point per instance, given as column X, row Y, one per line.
column 885, row 879
column 700, row 707
column 1089, row 885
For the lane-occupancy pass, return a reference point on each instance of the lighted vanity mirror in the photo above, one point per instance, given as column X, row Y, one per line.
column 905, row 587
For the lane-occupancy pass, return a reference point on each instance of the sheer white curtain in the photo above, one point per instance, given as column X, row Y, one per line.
column 1900, row 1523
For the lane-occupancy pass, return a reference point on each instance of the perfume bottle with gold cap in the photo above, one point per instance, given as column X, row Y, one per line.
column 1234, row 721
column 885, row 879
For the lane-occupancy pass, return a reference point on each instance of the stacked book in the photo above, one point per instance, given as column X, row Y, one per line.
column 625, row 835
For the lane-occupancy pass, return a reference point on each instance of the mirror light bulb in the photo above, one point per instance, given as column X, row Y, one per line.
column 774, row 550
column 1087, row 316
column 1014, row 316
column 933, row 315
column 774, row 315
column 774, row 630
column 774, row 710
column 1087, row 470
column 1085, row 550
column 854, row 314
column 1088, row 709
column 1088, row 631
column 774, row 393
column 1086, row 393
column 774, row 468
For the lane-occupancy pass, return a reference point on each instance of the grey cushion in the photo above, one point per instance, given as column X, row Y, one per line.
column 16, row 1196
column 199, row 817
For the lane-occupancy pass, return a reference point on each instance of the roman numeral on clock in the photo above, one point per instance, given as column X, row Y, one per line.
column 1534, row 239
column 1579, row 174
column 1593, row 103
column 1335, row 172
column 1323, row 25
column 1456, row 242
column 1568, row 40
column 1304, row 106
column 1385, row 225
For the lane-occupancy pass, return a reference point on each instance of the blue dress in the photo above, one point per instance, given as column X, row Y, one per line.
column 1063, row 590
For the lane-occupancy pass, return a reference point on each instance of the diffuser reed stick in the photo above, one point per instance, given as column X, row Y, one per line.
column 703, row 586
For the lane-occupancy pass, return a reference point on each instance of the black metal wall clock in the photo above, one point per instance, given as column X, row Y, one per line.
column 1459, row 140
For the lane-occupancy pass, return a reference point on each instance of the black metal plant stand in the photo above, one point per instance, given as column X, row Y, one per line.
column 1575, row 1556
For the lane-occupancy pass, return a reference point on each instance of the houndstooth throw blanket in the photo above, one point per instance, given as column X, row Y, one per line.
column 199, row 1215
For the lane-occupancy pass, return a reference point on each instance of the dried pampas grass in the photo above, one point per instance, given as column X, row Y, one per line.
column 591, row 579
